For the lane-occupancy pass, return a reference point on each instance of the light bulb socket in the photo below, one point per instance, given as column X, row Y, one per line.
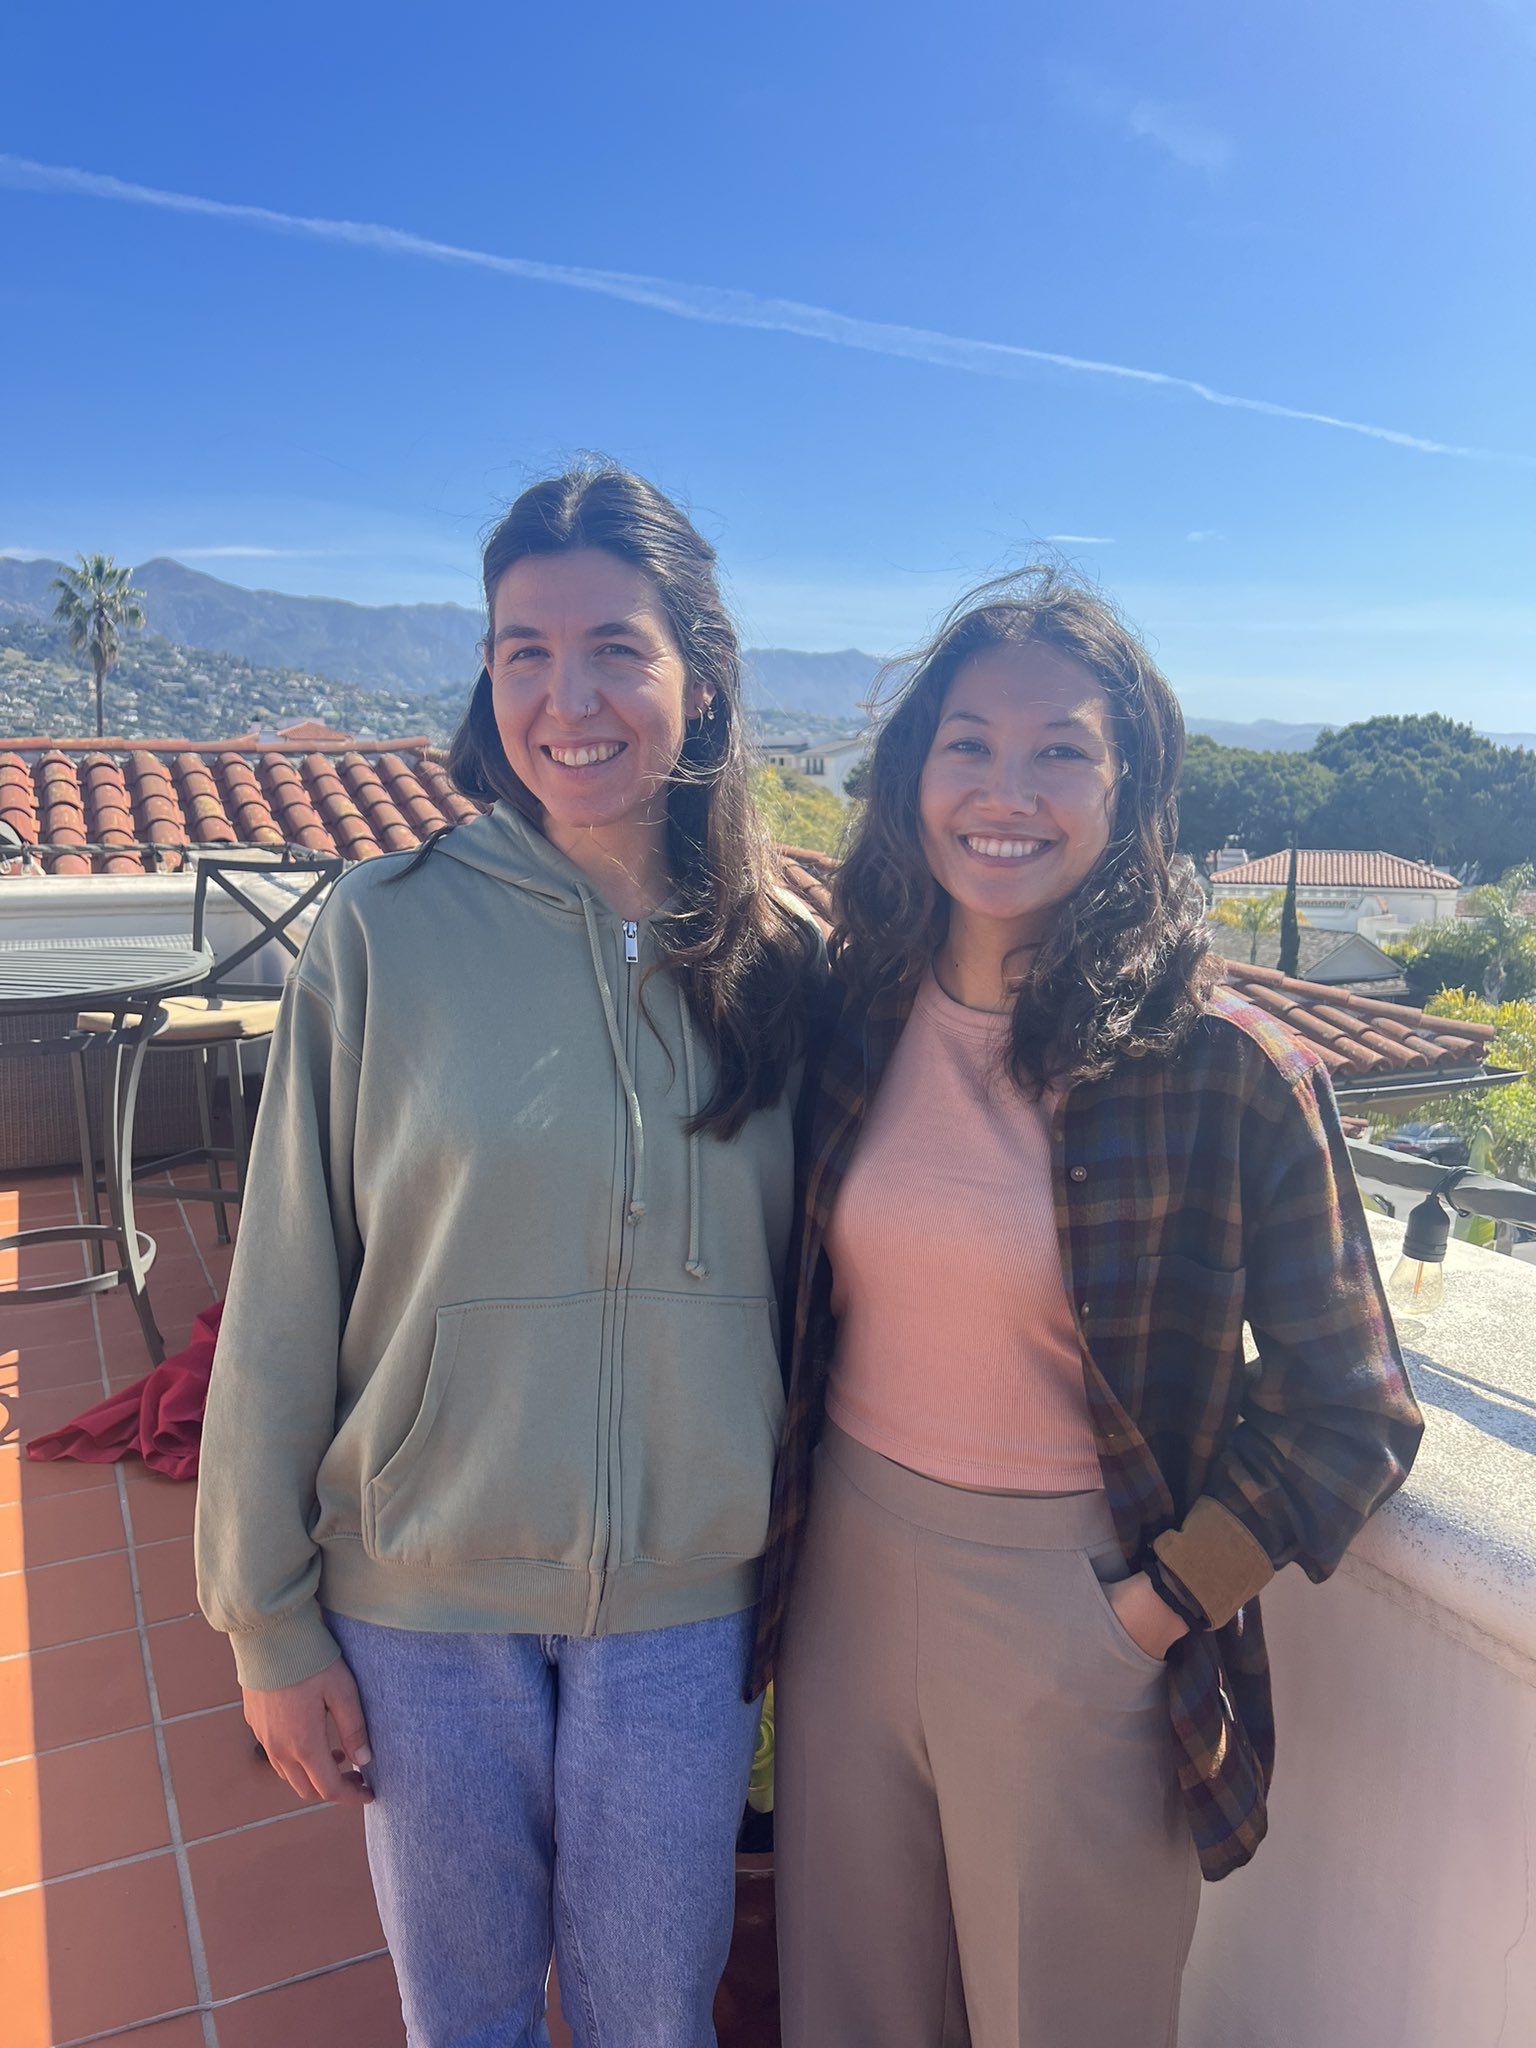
column 1428, row 1233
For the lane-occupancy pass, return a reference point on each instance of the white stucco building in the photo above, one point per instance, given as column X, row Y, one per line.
column 825, row 762
column 1379, row 894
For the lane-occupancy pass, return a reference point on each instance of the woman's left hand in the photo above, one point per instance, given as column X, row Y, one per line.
column 1145, row 1616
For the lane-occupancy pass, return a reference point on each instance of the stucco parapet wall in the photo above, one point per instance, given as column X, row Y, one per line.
column 1458, row 1543
column 95, row 906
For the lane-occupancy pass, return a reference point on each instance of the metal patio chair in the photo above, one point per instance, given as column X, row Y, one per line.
column 220, row 1018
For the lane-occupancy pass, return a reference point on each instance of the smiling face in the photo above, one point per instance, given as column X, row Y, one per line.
column 1017, row 795
column 591, row 697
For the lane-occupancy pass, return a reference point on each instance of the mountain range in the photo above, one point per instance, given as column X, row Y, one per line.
column 416, row 650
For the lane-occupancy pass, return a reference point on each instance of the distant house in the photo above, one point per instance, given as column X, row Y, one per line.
column 1334, row 959
column 1377, row 894
column 828, row 762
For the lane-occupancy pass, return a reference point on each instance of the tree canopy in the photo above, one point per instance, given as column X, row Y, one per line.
column 1424, row 787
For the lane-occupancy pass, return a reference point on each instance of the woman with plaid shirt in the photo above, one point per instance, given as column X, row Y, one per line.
column 1030, row 1489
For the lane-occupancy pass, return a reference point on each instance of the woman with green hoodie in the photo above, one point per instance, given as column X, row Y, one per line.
column 491, row 1430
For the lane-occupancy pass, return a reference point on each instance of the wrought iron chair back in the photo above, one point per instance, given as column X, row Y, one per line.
column 225, row 877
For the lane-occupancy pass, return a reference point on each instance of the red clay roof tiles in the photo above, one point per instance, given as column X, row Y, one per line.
column 338, row 795
column 1325, row 868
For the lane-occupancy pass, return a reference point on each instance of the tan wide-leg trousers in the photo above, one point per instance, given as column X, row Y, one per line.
column 978, row 1836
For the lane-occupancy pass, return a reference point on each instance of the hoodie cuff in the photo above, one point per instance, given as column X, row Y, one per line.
column 286, row 1653
column 1215, row 1560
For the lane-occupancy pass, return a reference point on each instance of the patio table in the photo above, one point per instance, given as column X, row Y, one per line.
column 126, row 976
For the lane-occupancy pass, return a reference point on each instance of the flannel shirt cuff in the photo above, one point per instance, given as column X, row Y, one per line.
column 1215, row 1560
column 1173, row 1593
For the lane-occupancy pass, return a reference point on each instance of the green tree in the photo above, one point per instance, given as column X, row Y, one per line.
column 1492, row 951
column 797, row 811
column 1258, row 916
column 1430, row 789
column 1290, row 921
column 1509, row 1112
column 1262, row 800
column 96, row 605
column 1510, row 931
column 856, row 781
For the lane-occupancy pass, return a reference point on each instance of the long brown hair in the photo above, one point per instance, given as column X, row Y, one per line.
column 734, row 943
column 1124, row 971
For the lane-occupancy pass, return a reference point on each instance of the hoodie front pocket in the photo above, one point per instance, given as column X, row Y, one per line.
column 500, row 1460
column 702, row 1406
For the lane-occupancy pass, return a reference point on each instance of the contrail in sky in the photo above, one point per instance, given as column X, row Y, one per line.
column 716, row 306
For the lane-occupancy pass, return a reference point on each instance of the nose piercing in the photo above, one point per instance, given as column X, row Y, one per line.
column 589, row 711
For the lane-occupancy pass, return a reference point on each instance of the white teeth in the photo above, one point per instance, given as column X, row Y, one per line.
column 584, row 757
column 1003, row 849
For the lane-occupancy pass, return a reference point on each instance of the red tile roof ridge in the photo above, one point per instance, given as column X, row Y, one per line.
column 1338, row 867
column 240, row 743
column 1368, row 1006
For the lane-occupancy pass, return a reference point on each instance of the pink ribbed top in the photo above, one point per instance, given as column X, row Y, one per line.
column 957, row 1354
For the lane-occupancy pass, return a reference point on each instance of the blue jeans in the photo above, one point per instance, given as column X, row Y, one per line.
column 567, row 1792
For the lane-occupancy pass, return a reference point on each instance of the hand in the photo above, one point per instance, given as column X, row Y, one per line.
column 294, row 1725
column 1146, row 1617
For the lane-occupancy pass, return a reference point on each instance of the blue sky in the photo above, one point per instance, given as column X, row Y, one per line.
column 1325, row 210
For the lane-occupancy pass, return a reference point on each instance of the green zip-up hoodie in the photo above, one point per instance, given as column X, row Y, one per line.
column 500, row 1348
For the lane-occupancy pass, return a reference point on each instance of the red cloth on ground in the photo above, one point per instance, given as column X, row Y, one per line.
column 159, row 1416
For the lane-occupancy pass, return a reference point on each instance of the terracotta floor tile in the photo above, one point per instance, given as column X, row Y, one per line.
column 63, row 1603
column 194, row 1666
column 74, row 1808
column 72, row 1694
column 60, row 1526
column 24, row 1416
column 277, row 1900
column 24, row 1478
column 158, row 1508
column 358, row 2007
column 167, row 1579
column 219, row 1780
column 48, row 1322
column 186, row 2032
column 86, row 1954
column 40, row 1367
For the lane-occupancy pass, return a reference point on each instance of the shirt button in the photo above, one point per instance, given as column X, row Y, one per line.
column 1077, row 1173
column 1082, row 1309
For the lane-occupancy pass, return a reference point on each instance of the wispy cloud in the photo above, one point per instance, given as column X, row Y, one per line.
column 715, row 305
column 1186, row 139
column 1082, row 540
column 237, row 553
column 1203, row 533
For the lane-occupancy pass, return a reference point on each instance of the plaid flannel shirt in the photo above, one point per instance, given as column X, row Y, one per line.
column 1193, row 1195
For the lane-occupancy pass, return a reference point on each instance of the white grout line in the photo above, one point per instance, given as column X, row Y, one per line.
column 200, row 1977
column 239, row 1998
column 55, row 1564
column 245, row 1827
column 28, row 1756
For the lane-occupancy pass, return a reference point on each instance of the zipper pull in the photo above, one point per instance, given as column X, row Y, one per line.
column 631, row 941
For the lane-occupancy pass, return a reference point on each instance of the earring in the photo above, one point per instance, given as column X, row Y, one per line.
column 709, row 709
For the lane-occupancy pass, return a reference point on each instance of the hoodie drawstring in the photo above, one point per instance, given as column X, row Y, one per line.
column 694, row 1266
column 627, row 1080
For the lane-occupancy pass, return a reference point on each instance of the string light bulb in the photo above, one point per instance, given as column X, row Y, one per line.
column 1417, row 1285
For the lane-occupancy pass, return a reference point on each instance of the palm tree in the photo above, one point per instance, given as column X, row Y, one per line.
column 97, row 603
column 1256, row 915
column 1511, row 931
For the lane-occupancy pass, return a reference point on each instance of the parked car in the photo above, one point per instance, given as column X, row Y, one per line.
column 1437, row 1142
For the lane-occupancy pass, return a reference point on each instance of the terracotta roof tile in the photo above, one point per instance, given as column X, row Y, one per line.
column 360, row 799
column 1324, row 868
column 248, row 811
column 202, row 803
column 109, row 815
column 61, row 814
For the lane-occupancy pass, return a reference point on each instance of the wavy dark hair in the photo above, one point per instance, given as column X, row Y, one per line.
column 1126, row 968
column 734, row 941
